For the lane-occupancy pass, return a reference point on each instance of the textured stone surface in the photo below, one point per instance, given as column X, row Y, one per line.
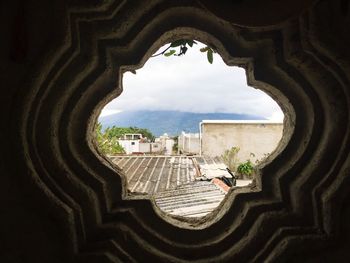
column 62, row 202
column 255, row 141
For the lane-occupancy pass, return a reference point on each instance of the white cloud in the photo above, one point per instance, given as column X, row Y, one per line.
column 277, row 116
column 106, row 112
column 190, row 83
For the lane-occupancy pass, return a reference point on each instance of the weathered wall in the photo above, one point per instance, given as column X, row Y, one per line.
column 150, row 147
column 130, row 146
column 254, row 140
column 189, row 143
column 145, row 147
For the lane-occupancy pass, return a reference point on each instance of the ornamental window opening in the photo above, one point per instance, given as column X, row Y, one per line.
column 187, row 129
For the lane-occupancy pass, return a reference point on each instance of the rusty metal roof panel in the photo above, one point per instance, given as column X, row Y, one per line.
column 190, row 200
column 172, row 181
column 152, row 174
column 212, row 167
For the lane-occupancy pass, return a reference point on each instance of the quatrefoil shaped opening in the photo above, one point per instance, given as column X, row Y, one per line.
column 183, row 189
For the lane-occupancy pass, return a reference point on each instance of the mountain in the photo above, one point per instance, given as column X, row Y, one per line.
column 171, row 122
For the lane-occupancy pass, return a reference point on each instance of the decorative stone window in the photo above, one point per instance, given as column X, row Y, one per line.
column 192, row 183
column 291, row 208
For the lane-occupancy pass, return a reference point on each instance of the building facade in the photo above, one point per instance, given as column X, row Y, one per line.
column 166, row 143
column 130, row 142
column 189, row 143
column 255, row 139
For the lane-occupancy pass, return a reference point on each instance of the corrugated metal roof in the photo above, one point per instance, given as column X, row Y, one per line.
column 212, row 167
column 151, row 174
column 172, row 181
column 191, row 200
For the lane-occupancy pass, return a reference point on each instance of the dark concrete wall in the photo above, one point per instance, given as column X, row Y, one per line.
column 60, row 201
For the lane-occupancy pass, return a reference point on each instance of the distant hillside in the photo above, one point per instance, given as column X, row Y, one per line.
column 171, row 122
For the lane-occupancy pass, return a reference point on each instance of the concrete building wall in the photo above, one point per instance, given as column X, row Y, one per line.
column 150, row 147
column 130, row 146
column 57, row 198
column 156, row 147
column 259, row 139
column 189, row 143
column 145, row 147
column 166, row 143
column 169, row 143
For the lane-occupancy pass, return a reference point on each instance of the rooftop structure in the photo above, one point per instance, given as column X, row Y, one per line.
column 255, row 139
column 181, row 185
column 131, row 136
column 188, row 143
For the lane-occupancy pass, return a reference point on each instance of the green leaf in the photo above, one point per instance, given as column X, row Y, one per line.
column 191, row 42
column 170, row 52
column 178, row 43
column 210, row 56
column 204, row 49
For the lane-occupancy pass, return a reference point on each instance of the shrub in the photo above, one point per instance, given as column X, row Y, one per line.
column 246, row 168
column 106, row 143
column 230, row 158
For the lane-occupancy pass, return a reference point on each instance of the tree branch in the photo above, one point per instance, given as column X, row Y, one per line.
column 161, row 53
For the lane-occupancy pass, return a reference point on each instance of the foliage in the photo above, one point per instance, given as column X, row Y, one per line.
column 107, row 144
column 117, row 132
column 108, row 139
column 182, row 45
column 246, row 168
column 230, row 158
column 210, row 52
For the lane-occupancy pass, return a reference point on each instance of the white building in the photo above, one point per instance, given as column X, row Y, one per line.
column 135, row 143
column 150, row 147
column 189, row 143
column 131, row 142
column 166, row 143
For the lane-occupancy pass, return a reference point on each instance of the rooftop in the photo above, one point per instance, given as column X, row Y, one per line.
column 181, row 185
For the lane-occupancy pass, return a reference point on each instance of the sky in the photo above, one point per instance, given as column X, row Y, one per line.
column 190, row 83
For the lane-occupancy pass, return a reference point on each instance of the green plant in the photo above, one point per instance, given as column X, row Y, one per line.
column 107, row 140
column 117, row 132
column 230, row 158
column 182, row 44
column 246, row 168
column 107, row 144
